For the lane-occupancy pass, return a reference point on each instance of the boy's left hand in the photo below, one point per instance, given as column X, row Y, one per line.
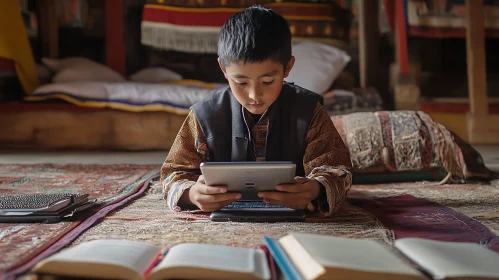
column 295, row 196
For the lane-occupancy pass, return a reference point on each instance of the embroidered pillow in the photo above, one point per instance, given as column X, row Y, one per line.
column 395, row 141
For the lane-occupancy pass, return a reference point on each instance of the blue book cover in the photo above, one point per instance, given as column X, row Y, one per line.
column 285, row 264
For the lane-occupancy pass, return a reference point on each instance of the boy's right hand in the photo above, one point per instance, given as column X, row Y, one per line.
column 211, row 198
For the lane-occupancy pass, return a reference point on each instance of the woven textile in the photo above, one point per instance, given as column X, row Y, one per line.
column 193, row 25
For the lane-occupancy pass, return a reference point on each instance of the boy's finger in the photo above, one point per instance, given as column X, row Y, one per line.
column 274, row 195
column 216, row 198
column 294, row 188
column 301, row 180
column 227, row 197
column 212, row 189
column 201, row 179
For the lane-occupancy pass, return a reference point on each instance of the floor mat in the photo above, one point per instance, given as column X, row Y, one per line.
column 476, row 200
column 470, row 211
column 409, row 216
column 110, row 184
column 148, row 219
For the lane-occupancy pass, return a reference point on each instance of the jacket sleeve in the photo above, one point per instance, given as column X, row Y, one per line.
column 180, row 170
column 327, row 160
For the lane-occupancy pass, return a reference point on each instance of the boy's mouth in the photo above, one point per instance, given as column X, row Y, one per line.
column 257, row 105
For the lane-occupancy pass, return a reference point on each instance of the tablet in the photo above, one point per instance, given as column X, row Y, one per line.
column 248, row 177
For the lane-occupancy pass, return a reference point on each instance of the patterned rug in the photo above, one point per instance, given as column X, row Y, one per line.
column 471, row 204
column 462, row 212
column 153, row 222
column 478, row 200
column 377, row 212
column 409, row 216
column 110, row 184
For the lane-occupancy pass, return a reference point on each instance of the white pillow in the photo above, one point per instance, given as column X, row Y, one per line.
column 155, row 75
column 74, row 69
column 43, row 72
column 316, row 65
column 57, row 65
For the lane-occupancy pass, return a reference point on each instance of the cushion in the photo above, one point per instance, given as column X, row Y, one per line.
column 127, row 96
column 402, row 141
column 81, row 69
column 316, row 65
column 155, row 75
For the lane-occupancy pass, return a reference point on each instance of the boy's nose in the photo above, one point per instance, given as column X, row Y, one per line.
column 255, row 93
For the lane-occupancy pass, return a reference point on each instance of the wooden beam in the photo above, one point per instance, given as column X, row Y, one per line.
column 368, row 42
column 475, row 58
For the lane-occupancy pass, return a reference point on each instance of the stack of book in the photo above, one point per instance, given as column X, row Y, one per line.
column 42, row 207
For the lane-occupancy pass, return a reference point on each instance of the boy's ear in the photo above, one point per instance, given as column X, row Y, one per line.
column 289, row 66
column 222, row 67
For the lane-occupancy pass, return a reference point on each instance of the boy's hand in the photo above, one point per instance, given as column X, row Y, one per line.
column 211, row 198
column 296, row 196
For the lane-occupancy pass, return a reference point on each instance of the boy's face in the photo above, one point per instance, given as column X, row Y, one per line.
column 256, row 85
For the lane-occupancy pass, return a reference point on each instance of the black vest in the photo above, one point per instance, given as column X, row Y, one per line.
column 220, row 118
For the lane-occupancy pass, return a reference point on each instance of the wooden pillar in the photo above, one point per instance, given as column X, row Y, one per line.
column 135, row 53
column 404, row 79
column 368, row 42
column 115, row 43
column 475, row 55
column 401, row 39
column 483, row 128
column 49, row 28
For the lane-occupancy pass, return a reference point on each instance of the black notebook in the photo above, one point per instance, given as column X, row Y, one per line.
column 42, row 207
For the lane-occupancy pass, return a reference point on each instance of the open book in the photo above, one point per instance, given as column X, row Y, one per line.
column 310, row 256
column 124, row 259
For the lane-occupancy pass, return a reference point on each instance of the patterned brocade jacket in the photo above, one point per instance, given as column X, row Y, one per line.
column 326, row 159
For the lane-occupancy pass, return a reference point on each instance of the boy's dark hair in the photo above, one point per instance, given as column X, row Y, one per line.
column 254, row 35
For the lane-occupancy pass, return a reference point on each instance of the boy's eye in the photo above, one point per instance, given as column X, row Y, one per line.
column 269, row 83
column 240, row 84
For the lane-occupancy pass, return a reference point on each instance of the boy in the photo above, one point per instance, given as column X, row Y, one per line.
column 258, row 117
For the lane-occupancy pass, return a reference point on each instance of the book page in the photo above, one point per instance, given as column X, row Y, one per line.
column 353, row 254
column 451, row 259
column 308, row 266
column 217, row 258
column 124, row 253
